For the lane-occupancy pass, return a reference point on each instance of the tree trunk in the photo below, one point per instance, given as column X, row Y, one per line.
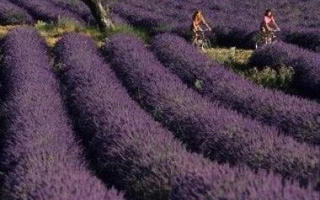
column 100, row 14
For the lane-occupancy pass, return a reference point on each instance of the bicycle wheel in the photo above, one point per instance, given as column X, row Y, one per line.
column 196, row 42
column 206, row 44
column 259, row 40
column 260, row 43
column 193, row 41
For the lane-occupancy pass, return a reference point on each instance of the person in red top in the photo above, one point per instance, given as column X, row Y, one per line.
column 268, row 24
column 197, row 21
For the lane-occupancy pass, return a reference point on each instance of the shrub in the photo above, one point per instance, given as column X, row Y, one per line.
column 306, row 38
column 218, row 133
column 40, row 156
column 142, row 157
column 47, row 11
column 295, row 116
column 12, row 14
column 304, row 63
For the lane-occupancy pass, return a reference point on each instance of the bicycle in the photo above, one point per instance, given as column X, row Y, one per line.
column 200, row 41
column 266, row 38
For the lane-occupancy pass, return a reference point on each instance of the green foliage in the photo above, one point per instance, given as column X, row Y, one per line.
column 229, row 56
column 268, row 77
column 198, row 84
column 237, row 60
column 54, row 31
column 16, row 17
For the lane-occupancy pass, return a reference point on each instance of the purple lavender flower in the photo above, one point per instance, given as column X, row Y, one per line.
column 305, row 64
column 47, row 11
column 40, row 156
column 295, row 116
column 143, row 158
column 207, row 128
column 12, row 14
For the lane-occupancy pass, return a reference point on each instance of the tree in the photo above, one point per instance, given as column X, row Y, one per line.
column 101, row 15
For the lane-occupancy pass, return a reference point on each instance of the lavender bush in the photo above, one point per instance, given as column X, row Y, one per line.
column 305, row 64
column 47, row 11
column 77, row 7
column 142, row 157
column 306, row 38
column 207, row 128
column 40, row 157
column 148, row 20
column 295, row 116
column 12, row 14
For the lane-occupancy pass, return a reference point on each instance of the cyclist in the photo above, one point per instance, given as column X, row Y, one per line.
column 197, row 21
column 266, row 25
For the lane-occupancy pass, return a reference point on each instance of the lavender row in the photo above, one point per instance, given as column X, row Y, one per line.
column 234, row 23
column 244, row 13
column 178, row 21
column 142, row 157
column 81, row 9
column 75, row 6
column 305, row 38
column 12, row 14
column 47, row 11
column 141, row 18
column 295, row 116
column 40, row 157
column 305, row 64
column 207, row 128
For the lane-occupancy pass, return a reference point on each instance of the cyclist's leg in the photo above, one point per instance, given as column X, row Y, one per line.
column 260, row 37
column 197, row 38
column 193, row 40
column 265, row 34
column 207, row 43
column 269, row 36
column 194, row 36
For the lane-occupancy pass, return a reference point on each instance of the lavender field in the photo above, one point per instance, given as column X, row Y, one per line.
column 140, row 113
